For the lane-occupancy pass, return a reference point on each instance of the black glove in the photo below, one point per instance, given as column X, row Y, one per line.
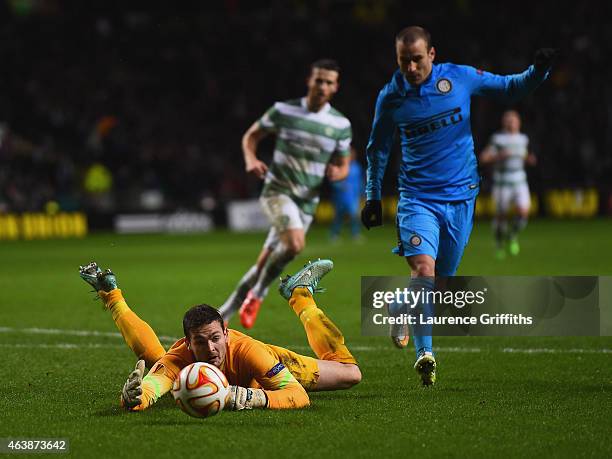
column 371, row 214
column 545, row 58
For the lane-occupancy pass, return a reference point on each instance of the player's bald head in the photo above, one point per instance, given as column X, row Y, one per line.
column 415, row 54
column 411, row 34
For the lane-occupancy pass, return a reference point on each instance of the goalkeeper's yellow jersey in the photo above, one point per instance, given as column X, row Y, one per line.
column 248, row 363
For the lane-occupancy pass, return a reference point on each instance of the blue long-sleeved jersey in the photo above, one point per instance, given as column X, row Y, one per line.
column 433, row 120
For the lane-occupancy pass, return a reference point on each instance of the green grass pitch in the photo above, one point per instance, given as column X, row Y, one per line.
column 488, row 402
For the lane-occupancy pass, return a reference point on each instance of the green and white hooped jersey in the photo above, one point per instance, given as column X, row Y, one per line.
column 305, row 143
column 511, row 170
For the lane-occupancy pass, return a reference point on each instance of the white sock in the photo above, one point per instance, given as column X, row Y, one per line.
column 272, row 269
column 234, row 301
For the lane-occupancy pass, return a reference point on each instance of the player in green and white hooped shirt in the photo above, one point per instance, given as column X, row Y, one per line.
column 312, row 143
column 508, row 152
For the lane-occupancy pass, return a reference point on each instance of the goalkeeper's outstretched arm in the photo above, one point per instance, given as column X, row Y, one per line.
column 139, row 392
column 157, row 382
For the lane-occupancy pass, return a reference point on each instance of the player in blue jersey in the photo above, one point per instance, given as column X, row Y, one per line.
column 346, row 198
column 429, row 105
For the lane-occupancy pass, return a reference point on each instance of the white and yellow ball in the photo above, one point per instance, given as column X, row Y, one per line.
column 200, row 390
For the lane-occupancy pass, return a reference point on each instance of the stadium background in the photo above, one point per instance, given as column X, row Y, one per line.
column 110, row 109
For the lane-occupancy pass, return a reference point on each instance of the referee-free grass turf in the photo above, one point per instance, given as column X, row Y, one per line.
column 64, row 365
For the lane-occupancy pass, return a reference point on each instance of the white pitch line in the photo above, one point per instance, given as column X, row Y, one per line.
column 299, row 347
column 456, row 350
column 462, row 350
column 59, row 331
column 61, row 346
column 555, row 351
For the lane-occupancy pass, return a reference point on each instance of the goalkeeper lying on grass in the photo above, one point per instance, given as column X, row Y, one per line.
column 261, row 375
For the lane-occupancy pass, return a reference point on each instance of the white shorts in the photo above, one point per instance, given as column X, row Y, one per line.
column 506, row 195
column 284, row 214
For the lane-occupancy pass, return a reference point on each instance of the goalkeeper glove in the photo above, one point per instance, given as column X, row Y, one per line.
column 132, row 389
column 245, row 398
column 371, row 214
column 545, row 58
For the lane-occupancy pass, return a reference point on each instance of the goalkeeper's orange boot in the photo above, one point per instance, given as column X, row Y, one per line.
column 249, row 309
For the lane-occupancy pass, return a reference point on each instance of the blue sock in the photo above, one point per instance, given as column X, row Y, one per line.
column 422, row 333
column 355, row 225
column 336, row 226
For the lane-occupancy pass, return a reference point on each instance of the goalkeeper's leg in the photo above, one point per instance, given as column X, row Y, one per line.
column 138, row 335
column 337, row 367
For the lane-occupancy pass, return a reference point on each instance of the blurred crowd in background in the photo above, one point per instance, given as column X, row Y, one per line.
column 108, row 106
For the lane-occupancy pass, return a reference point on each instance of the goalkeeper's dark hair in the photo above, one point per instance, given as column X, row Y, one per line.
column 199, row 315
column 409, row 35
column 325, row 64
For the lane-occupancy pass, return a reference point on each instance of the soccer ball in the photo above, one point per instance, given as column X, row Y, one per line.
column 200, row 390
